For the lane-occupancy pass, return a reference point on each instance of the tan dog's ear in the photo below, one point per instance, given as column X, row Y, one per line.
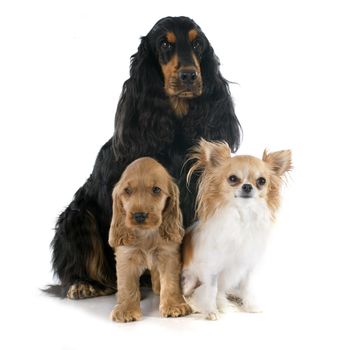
column 280, row 161
column 208, row 154
column 119, row 234
column 171, row 227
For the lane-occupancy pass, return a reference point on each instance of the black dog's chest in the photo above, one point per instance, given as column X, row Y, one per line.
column 173, row 156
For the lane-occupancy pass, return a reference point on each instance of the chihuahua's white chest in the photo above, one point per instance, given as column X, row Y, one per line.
column 230, row 243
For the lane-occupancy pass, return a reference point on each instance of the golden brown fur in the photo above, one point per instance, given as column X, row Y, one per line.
column 279, row 163
column 192, row 34
column 170, row 71
column 179, row 105
column 153, row 244
column 171, row 37
column 187, row 248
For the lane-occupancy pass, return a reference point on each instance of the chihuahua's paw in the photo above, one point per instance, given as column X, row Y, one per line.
column 122, row 314
column 176, row 310
column 250, row 307
column 212, row 316
column 223, row 304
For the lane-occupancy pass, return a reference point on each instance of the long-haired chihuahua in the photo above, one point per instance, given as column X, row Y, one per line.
column 236, row 204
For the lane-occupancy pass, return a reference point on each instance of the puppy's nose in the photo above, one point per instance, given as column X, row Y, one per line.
column 140, row 217
column 188, row 76
column 247, row 188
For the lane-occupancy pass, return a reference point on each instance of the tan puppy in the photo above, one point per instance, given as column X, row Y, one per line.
column 146, row 232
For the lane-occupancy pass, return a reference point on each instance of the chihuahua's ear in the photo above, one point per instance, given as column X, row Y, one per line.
column 214, row 153
column 280, row 161
column 208, row 154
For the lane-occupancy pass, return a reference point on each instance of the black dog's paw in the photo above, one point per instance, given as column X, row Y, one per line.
column 83, row 290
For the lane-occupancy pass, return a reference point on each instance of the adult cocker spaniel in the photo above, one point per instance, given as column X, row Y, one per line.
column 146, row 232
column 175, row 95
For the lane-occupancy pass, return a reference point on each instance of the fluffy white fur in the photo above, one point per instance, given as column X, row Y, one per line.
column 223, row 248
column 226, row 250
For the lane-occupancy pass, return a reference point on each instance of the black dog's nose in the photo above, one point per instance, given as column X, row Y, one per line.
column 140, row 217
column 247, row 188
column 188, row 76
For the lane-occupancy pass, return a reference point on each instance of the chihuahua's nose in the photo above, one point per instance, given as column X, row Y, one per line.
column 140, row 217
column 247, row 188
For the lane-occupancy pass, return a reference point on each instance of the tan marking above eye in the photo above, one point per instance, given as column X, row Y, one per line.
column 170, row 36
column 192, row 34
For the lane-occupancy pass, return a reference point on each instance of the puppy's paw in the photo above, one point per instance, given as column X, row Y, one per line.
column 122, row 314
column 176, row 310
column 212, row 316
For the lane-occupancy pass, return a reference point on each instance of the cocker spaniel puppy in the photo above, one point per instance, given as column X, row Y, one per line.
column 146, row 232
column 175, row 95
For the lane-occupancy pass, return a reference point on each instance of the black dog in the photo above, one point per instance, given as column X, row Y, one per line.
column 175, row 95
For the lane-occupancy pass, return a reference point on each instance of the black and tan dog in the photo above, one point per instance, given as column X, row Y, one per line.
column 175, row 95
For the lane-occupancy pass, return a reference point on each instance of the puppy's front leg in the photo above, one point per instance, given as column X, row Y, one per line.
column 128, row 297
column 172, row 303
column 155, row 280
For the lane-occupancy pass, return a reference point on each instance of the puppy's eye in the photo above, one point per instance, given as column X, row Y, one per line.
column 127, row 190
column 155, row 189
column 165, row 45
column 261, row 181
column 233, row 179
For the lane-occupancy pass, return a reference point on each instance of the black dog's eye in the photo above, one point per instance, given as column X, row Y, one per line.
column 196, row 44
column 155, row 189
column 233, row 179
column 261, row 181
column 165, row 45
column 127, row 190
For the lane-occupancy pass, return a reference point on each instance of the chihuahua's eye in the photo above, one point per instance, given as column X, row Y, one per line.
column 165, row 45
column 127, row 190
column 261, row 181
column 155, row 189
column 233, row 179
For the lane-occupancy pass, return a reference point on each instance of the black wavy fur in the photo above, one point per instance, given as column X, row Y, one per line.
column 145, row 125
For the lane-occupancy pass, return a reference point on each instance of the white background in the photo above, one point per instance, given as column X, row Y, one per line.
column 62, row 65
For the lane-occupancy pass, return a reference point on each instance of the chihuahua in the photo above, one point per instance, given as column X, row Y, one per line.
column 237, row 200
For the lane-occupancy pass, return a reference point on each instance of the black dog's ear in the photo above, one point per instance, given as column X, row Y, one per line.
column 138, row 109
column 210, row 67
column 216, row 103
column 139, row 58
column 144, row 67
